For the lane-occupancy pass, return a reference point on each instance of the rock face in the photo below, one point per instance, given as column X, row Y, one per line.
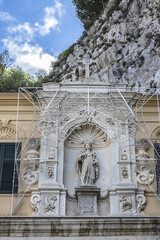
column 123, row 44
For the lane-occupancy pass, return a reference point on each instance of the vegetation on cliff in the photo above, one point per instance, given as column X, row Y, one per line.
column 89, row 10
column 13, row 77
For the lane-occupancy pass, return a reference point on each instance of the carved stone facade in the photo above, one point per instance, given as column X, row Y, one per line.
column 85, row 155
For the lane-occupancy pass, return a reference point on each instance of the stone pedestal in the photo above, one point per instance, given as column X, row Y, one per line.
column 87, row 197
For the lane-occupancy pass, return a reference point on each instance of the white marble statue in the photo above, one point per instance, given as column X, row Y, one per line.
column 87, row 166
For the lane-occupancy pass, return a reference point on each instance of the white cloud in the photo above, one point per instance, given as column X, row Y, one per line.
column 23, row 31
column 50, row 20
column 30, row 58
column 59, row 8
column 5, row 16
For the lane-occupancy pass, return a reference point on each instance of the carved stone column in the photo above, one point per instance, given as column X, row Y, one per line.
column 123, row 199
column 50, row 196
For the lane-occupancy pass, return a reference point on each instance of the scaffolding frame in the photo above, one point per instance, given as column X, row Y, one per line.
column 131, row 111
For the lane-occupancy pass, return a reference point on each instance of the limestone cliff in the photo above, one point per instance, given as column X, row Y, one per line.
column 124, row 45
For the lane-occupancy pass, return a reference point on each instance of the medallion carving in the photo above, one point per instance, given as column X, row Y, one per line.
column 126, row 203
column 141, row 202
column 50, row 204
column 145, row 174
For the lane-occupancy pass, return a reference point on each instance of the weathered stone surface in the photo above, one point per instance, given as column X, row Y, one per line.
column 124, row 42
column 146, row 228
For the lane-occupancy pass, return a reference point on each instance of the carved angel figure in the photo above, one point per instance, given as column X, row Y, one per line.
column 87, row 166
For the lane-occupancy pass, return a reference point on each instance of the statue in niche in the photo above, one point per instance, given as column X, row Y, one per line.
column 87, row 166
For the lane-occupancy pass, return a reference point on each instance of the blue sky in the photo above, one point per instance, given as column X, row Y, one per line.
column 36, row 31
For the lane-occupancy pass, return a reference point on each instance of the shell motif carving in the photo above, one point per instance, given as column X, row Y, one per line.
column 87, row 132
column 7, row 130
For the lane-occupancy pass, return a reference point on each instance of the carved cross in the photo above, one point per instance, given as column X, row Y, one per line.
column 87, row 62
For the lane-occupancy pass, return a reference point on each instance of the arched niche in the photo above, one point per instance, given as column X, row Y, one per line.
column 74, row 144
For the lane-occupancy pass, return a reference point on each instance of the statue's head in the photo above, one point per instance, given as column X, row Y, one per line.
column 88, row 146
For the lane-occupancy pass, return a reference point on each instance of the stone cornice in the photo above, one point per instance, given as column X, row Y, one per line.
column 79, row 226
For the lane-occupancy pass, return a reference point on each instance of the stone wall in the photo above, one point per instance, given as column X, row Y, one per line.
column 123, row 45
